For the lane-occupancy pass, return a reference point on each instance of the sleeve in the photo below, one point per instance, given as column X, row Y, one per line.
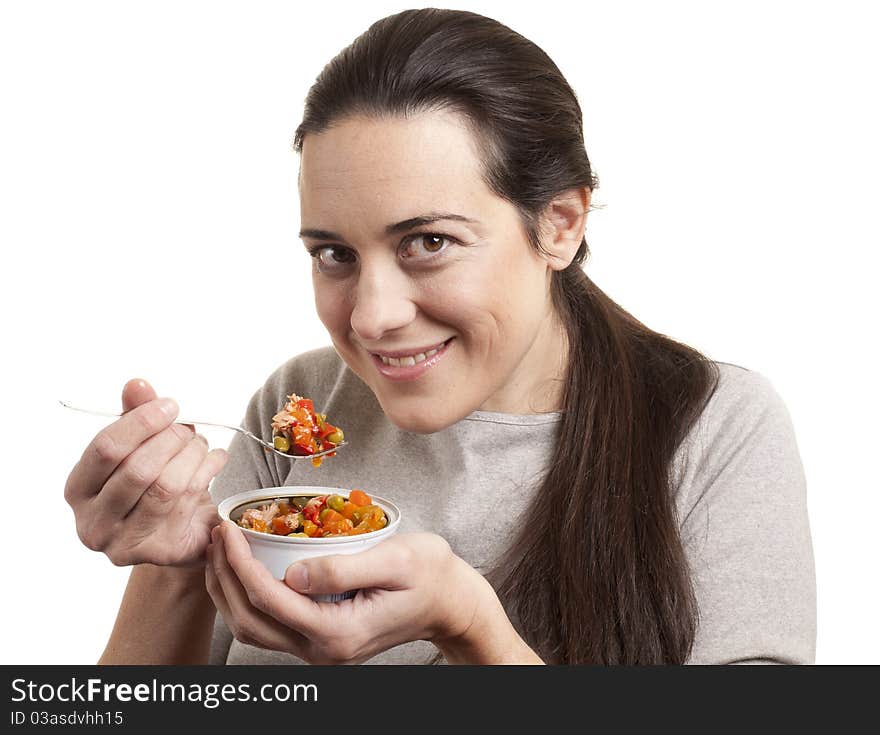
column 746, row 531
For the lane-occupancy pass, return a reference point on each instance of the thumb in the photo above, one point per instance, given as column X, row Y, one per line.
column 136, row 392
column 384, row 566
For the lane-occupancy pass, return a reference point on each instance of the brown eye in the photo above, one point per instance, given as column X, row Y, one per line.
column 336, row 255
column 433, row 243
column 333, row 260
column 425, row 245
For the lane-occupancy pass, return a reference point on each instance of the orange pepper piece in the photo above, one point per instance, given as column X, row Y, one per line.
column 359, row 497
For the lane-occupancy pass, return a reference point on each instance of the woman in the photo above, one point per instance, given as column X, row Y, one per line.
column 576, row 487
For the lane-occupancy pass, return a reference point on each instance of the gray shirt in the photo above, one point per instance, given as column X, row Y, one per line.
column 738, row 483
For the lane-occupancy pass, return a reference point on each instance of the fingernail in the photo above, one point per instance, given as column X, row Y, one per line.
column 169, row 406
column 297, row 577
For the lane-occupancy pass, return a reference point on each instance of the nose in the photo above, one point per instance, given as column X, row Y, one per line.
column 382, row 302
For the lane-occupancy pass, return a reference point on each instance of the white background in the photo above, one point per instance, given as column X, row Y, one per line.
column 148, row 219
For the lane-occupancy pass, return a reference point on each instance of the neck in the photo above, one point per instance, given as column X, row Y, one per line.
column 538, row 383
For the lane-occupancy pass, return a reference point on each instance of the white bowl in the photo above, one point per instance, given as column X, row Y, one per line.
column 279, row 552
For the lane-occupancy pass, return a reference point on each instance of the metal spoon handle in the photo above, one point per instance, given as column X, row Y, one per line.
column 178, row 420
column 239, row 429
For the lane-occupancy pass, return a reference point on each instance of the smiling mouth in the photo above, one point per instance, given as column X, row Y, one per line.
column 402, row 359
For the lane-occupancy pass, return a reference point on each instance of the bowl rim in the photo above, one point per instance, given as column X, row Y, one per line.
column 228, row 505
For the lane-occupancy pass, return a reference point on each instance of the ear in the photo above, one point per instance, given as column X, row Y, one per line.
column 563, row 224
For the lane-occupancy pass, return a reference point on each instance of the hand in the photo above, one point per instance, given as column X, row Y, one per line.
column 140, row 490
column 412, row 587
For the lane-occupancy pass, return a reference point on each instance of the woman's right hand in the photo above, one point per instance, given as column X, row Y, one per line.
column 140, row 490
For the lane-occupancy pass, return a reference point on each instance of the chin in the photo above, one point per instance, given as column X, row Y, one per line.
column 420, row 420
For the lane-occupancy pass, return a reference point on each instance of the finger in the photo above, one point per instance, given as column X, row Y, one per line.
column 173, row 482
column 248, row 624
column 212, row 584
column 196, row 502
column 135, row 392
column 264, row 591
column 189, row 511
column 113, row 444
column 139, row 472
column 211, row 466
column 385, row 565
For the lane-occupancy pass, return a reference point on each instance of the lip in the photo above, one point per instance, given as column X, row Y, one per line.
column 410, row 372
column 406, row 353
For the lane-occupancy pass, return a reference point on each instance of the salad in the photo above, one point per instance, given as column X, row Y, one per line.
column 297, row 429
column 316, row 516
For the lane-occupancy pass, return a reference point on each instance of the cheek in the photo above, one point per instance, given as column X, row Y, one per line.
column 332, row 306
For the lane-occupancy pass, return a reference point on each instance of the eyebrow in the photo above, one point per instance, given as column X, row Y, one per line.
column 396, row 228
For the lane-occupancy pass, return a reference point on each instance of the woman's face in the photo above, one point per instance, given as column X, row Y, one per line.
column 423, row 276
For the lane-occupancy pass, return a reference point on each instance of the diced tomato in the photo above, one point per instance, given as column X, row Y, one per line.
column 307, row 404
column 359, row 497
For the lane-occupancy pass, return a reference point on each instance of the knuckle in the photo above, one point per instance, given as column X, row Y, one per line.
column 244, row 632
column 150, row 418
column 182, row 432
column 195, row 487
column 106, row 448
column 120, row 556
column 70, row 491
column 161, row 493
column 89, row 540
column 91, row 536
column 402, row 557
column 439, row 545
column 324, row 569
column 259, row 598
column 138, row 473
column 341, row 650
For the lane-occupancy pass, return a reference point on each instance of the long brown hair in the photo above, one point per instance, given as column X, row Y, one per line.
column 608, row 581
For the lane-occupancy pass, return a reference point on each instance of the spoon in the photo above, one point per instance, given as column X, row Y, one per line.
column 266, row 445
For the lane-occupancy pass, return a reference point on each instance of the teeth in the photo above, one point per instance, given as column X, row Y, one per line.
column 409, row 360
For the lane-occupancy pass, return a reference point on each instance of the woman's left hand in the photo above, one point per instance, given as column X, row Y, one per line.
column 412, row 587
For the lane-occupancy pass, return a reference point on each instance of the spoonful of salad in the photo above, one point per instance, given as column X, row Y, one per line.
column 297, row 431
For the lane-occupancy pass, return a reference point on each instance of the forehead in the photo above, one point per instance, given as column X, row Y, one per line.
column 390, row 168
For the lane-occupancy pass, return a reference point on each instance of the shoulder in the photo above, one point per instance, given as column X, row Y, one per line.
column 744, row 411
column 741, row 397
